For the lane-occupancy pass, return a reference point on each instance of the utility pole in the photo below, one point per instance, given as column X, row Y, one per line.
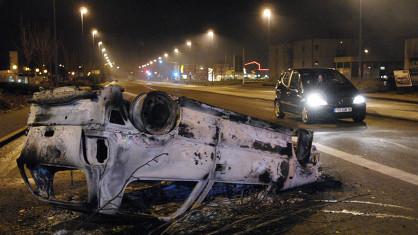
column 55, row 75
column 360, row 42
column 243, row 63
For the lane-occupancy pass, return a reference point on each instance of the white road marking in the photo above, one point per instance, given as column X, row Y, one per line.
column 366, row 202
column 398, row 145
column 371, row 165
column 377, row 215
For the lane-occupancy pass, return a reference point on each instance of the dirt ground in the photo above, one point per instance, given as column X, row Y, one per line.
column 276, row 213
column 11, row 101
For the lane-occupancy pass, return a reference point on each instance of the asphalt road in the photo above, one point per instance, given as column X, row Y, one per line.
column 370, row 174
column 377, row 160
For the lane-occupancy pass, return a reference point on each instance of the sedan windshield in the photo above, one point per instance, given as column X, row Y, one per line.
column 320, row 78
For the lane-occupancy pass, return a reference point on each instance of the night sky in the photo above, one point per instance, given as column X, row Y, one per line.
column 136, row 31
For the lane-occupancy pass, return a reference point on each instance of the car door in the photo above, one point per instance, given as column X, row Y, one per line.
column 283, row 91
column 294, row 93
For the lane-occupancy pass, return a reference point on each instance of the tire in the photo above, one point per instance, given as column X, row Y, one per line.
column 306, row 118
column 278, row 111
column 359, row 117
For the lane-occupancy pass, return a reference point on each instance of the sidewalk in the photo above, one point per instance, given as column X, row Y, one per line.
column 393, row 109
column 13, row 120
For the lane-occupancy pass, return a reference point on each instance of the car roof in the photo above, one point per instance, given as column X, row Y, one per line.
column 316, row 69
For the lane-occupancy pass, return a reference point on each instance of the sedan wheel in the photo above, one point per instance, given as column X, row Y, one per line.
column 359, row 117
column 278, row 112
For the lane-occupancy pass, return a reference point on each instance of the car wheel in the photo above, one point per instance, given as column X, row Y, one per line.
column 359, row 117
column 305, row 116
column 278, row 112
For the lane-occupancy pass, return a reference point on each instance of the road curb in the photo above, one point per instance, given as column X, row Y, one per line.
column 12, row 136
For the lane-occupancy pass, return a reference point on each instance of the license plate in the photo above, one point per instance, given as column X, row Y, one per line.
column 343, row 110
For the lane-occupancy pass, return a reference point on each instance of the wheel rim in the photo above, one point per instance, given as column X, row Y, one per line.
column 304, row 115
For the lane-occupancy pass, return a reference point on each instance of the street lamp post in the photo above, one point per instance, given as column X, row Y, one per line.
column 93, row 34
column 55, row 46
column 360, row 42
column 83, row 11
column 211, row 36
column 267, row 16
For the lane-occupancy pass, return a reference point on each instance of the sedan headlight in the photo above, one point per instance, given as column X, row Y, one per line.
column 315, row 100
column 359, row 99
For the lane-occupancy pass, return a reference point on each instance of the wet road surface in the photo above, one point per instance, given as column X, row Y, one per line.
column 352, row 198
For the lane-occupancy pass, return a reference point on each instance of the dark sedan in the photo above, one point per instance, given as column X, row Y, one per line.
column 316, row 94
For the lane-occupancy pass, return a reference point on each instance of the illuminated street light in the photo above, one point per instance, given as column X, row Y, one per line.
column 151, row 62
column 155, row 60
column 159, row 58
column 103, row 49
column 83, row 11
column 14, row 67
column 45, row 71
column 165, row 55
column 94, row 32
column 37, row 70
column 176, row 50
column 100, row 43
column 366, row 51
column 210, row 33
column 189, row 43
column 267, row 13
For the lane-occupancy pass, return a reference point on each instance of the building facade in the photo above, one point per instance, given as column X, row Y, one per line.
column 341, row 54
column 308, row 53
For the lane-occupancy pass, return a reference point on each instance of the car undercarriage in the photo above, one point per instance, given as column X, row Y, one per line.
column 115, row 140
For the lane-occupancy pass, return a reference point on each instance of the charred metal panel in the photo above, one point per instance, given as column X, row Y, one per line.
column 164, row 138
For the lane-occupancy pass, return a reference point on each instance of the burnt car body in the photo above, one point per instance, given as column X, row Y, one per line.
column 302, row 92
column 115, row 139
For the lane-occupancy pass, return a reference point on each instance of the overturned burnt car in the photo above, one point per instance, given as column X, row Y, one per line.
column 115, row 139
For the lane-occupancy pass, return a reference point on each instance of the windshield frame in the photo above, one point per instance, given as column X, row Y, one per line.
column 331, row 78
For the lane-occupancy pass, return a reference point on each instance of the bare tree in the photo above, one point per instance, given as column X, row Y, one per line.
column 68, row 56
column 44, row 46
column 27, row 42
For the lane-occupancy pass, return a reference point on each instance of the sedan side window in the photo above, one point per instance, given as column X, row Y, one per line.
column 294, row 82
column 285, row 79
column 280, row 80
